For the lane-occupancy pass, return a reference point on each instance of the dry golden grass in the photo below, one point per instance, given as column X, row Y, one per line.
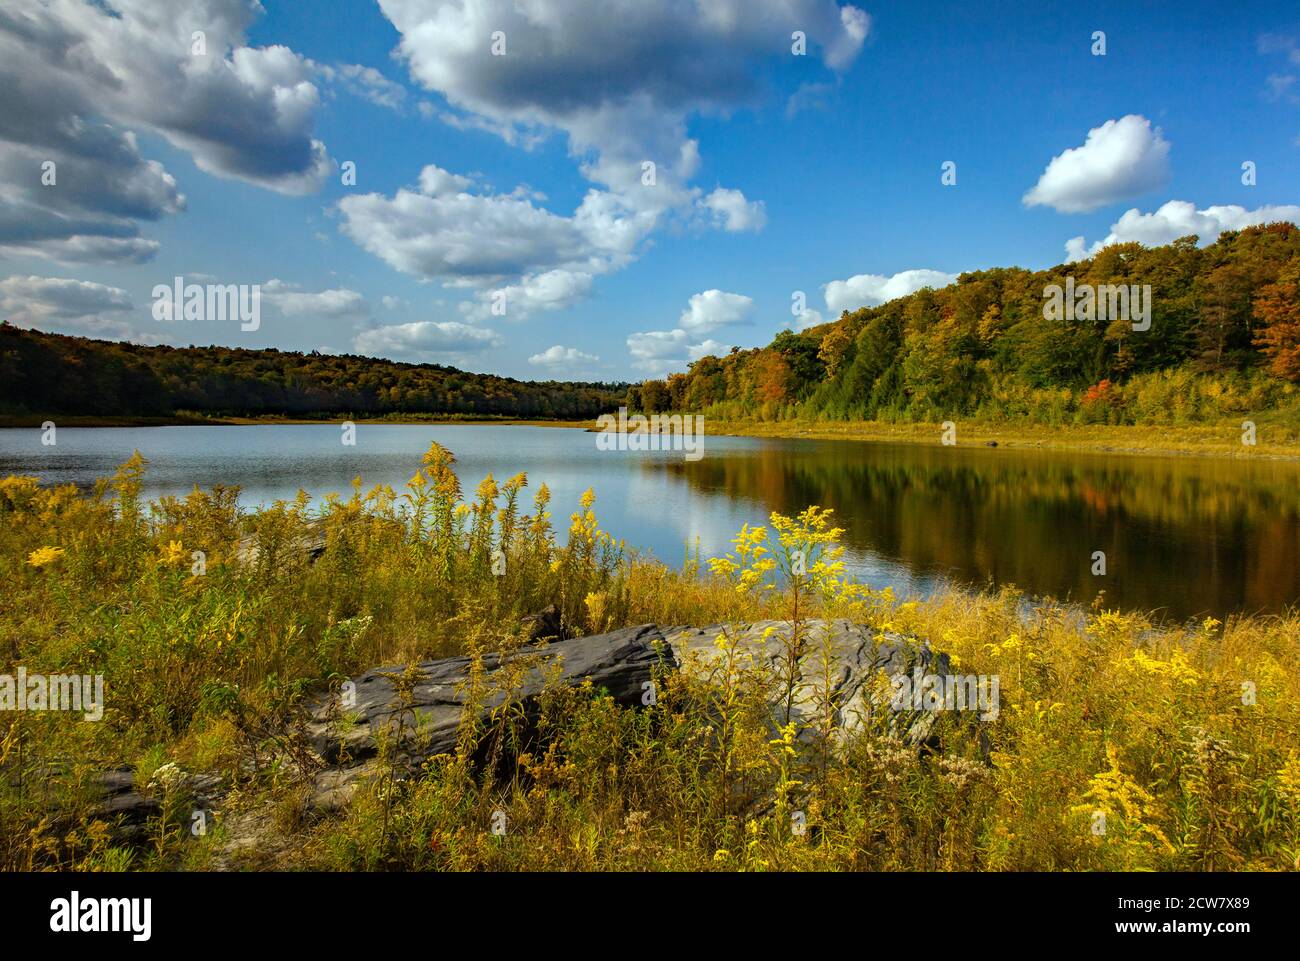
column 1184, row 740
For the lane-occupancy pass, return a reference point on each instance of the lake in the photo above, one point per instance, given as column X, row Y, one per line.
column 1185, row 536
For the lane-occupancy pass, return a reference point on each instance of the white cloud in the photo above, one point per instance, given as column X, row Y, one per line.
column 393, row 303
column 368, row 83
column 70, row 306
column 871, row 290
column 242, row 112
column 657, row 352
column 443, row 232
column 551, row 290
column 561, row 356
column 712, row 309
column 1282, row 86
column 436, row 182
column 33, row 300
column 809, row 318
column 78, row 77
column 809, row 96
column 619, row 81
column 1120, row 159
column 733, row 212
column 424, row 340
column 291, row 301
column 620, row 78
column 1180, row 218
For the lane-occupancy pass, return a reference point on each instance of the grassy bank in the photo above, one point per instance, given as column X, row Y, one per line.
column 1181, row 741
column 1274, row 439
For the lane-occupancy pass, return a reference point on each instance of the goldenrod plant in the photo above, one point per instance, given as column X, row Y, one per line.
column 1122, row 742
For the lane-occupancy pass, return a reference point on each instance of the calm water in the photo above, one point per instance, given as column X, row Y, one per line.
column 1181, row 535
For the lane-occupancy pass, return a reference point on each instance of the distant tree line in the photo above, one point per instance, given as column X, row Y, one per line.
column 55, row 374
column 1221, row 316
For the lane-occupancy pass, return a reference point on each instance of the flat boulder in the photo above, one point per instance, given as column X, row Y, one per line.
column 851, row 656
column 423, row 706
column 420, row 708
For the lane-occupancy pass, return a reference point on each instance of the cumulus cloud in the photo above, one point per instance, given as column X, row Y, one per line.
column 425, row 340
column 657, row 352
column 1120, row 159
column 78, row 77
column 437, row 182
column 291, row 301
column 619, row 81
column 65, row 305
column 551, row 290
column 733, row 212
column 809, row 318
column 78, row 191
column 443, row 232
column 712, row 309
column 560, row 356
column 32, row 300
column 871, row 290
column 1180, row 218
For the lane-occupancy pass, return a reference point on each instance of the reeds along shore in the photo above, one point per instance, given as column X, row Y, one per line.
column 1118, row 745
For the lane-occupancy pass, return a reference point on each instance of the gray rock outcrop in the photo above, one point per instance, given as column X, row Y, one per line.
column 419, row 710
column 409, row 713
column 424, row 706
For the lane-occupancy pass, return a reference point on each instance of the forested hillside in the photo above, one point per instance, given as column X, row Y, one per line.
column 53, row 374
column 1224, row 337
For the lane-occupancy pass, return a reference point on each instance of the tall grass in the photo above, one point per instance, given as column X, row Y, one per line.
column 211, row 626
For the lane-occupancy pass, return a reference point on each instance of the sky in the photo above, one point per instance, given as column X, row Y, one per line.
column 562, row 189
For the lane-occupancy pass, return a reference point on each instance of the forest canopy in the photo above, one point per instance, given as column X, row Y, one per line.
column 1224, row 320
column 46, row 373
column 1223, row 336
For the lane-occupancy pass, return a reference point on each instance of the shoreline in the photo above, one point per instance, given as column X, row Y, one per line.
column 1213, row 441
column 1140, row 440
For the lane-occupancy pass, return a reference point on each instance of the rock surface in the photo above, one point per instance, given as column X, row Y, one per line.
column 419, row 709
column 308, row 544
column 128, row 809
column 856, row 656
column 346, row 729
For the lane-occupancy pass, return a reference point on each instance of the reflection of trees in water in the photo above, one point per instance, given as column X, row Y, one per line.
column 1187, row 536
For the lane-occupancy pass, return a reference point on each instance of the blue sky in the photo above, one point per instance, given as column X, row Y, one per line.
column 517, row 180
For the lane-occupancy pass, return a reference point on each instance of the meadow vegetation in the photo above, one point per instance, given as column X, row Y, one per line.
column 1186, row 737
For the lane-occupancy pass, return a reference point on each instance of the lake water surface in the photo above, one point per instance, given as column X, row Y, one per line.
column 1185, row 536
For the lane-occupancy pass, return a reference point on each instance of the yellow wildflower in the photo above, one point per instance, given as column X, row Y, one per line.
column 44, row 556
